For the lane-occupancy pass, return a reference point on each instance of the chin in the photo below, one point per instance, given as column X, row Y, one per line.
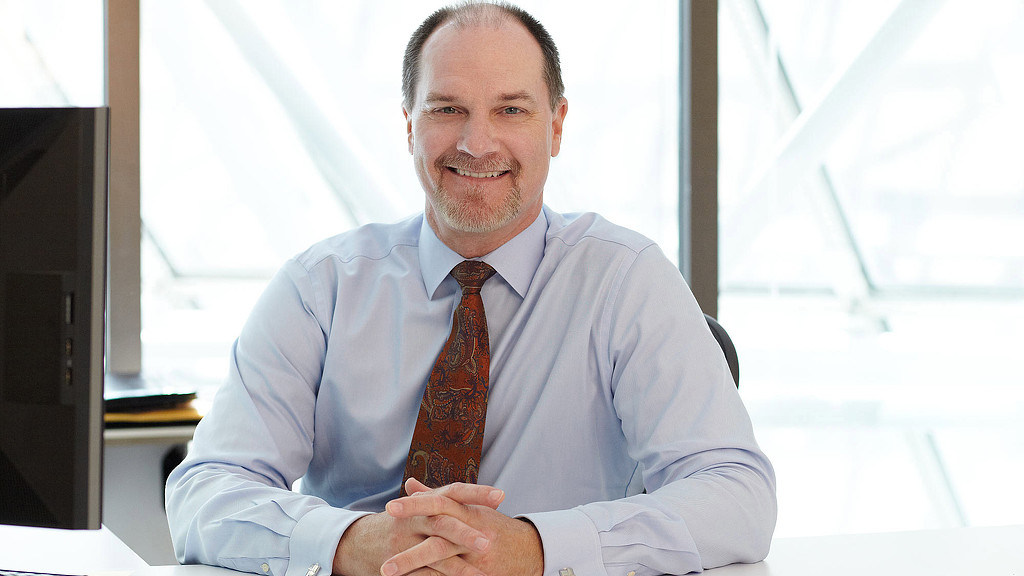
column 476, row 216
column 476, row 221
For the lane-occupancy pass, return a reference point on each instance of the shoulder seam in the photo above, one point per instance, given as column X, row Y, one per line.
column 631, row 248
column 345, row 260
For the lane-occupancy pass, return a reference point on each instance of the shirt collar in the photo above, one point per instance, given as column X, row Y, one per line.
column 516, row 261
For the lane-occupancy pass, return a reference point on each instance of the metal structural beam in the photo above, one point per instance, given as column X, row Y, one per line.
column 124, row 282
column 698, row 150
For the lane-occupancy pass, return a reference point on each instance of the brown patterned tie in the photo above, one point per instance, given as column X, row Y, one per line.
column 449, row 432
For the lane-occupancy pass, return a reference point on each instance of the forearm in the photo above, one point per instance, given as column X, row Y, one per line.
column 714, row 517
column 222, row 517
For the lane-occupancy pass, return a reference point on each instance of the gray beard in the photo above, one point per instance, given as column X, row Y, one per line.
column 470, row 216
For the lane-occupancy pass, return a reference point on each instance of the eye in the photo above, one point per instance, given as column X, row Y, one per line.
column 513, row 110
column 447, row 110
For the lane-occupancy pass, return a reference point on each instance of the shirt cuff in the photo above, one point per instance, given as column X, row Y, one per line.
column 571, row 544
column 314, row 541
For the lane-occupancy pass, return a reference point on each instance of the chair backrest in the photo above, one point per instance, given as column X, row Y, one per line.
column 728, row 348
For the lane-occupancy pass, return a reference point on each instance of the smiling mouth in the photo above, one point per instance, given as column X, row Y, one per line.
column 469, row 174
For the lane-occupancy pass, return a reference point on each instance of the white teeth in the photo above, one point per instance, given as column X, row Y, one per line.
column 478, row 174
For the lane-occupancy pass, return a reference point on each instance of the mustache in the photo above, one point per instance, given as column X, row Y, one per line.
column 468, row 163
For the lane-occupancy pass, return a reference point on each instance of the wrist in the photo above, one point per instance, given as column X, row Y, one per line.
column 354, row 554
column 534, row 546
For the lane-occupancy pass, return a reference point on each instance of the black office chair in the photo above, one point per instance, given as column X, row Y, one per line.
column 728, row 348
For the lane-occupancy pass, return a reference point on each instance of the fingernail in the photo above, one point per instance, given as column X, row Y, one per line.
column 394, row 508
column 496, row 495
column 481, row 543
column 389, row 569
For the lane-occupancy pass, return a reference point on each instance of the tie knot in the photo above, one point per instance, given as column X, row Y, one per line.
column 471, row 274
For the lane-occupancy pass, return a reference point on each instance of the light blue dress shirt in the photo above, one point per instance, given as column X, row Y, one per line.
column 605, row 381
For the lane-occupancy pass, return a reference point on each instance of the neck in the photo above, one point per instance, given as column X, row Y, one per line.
column 476, row 244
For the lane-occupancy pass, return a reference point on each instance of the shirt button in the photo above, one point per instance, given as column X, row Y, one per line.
column 265, row 567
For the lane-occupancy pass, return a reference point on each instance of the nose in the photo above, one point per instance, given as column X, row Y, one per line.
column 478, row 138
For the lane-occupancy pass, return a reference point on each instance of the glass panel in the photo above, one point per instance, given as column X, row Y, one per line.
column 269, row 125
column 872, row 249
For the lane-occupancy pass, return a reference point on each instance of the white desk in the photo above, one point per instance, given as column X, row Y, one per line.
column 995, row 551
column 970, row 551
column 960, row 552
column 65, row 551
column 97, row 552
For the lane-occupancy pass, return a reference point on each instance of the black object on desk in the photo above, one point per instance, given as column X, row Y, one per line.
column 132, row 401
column 146, row 400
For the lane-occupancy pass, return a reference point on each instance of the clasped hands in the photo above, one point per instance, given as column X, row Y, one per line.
column 454, row 530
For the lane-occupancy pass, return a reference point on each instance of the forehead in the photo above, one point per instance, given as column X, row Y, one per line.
column 503, row 57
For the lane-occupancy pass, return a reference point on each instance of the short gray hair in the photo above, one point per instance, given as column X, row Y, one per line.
column 478, row 12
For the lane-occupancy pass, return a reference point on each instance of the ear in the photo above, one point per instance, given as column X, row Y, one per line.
column 556, row 126
column 408, row 127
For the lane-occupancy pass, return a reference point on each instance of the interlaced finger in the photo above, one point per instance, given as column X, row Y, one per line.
column 434, row 553
column 451, row 529
column 440, row 501
column 468, row 494
column 473, row 494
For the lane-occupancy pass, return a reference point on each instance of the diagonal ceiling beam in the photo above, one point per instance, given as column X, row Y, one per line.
column 344, row 164
column 801, row 149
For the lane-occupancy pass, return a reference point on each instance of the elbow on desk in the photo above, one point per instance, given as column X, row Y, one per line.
column 763, row 529
column 761, row 513
column 747, row 543
column 740, row 531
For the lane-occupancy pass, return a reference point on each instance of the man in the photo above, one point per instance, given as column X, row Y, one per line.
column 615, row 441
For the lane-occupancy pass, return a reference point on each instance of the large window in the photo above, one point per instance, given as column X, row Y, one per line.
column 872, row 254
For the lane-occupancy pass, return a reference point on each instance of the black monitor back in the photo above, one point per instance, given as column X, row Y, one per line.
column 53, row 209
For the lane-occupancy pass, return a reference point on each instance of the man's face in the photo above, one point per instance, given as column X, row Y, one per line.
column 482, row 132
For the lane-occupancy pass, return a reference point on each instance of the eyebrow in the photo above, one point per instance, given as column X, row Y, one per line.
column 437, row 97
column 522, row 95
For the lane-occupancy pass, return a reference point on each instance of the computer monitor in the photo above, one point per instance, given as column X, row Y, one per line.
column 53, row 231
